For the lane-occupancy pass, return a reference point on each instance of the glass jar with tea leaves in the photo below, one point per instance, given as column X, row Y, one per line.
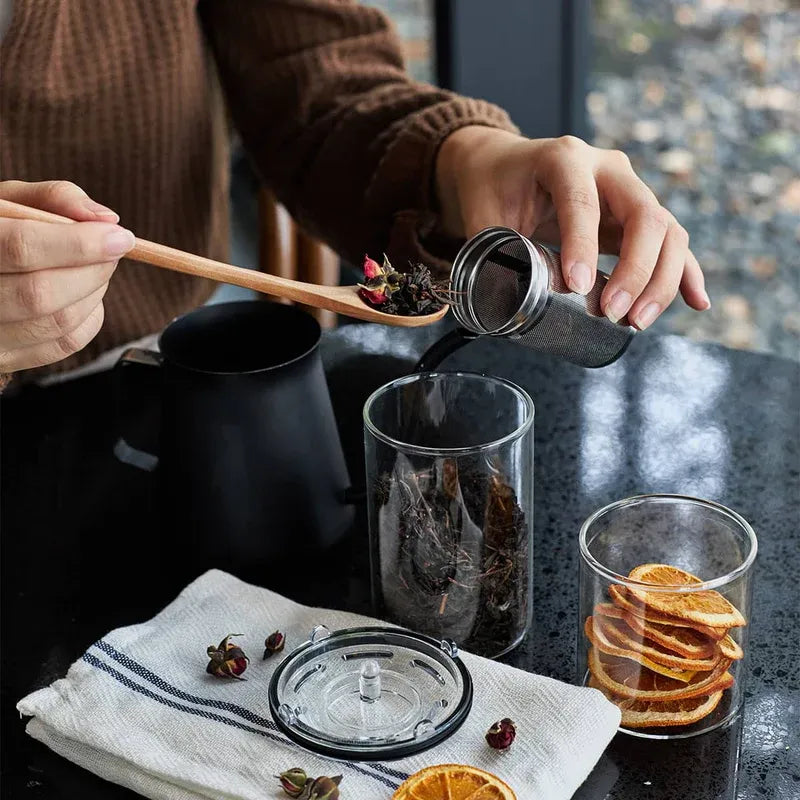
column 450, row 492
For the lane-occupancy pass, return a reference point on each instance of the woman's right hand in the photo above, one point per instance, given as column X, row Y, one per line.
column 53, row 276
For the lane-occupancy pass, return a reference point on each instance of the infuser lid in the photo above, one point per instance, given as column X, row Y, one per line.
column 370, row 694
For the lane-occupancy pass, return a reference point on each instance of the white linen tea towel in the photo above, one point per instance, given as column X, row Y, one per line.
column 139, row 709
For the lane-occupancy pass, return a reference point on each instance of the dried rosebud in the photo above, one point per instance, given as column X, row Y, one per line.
column 324, row 788
column 293, row 781
column 274, row 643
column 371, row 268
column 227, row 659
column 502, row 734
column 376, row 291
column 373, row 298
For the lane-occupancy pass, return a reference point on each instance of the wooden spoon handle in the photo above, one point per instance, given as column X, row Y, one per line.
column 18, row 211
column 160, row 255
column 341, row 299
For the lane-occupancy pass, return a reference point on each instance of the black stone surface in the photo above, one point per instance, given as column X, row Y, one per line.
column 83, row 550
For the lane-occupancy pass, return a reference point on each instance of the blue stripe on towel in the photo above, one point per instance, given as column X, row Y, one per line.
column 198, row 712
column 159, row 682
column 244, row 713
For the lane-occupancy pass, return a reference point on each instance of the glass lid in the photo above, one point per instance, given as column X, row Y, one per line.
column 370, row 693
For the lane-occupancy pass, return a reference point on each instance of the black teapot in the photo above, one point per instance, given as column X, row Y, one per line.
column 249, row 461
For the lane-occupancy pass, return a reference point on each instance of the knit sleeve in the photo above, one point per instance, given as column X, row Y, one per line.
column 319, row 95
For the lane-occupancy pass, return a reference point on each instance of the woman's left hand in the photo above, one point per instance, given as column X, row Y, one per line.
column 587, row 200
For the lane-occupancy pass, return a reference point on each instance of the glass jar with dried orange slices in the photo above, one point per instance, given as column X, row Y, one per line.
column 665, row 589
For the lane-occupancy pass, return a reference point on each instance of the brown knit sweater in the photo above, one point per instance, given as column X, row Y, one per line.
column 126, row 98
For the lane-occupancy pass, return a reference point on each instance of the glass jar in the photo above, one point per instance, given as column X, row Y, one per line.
column 665, row 584
column 450, row 494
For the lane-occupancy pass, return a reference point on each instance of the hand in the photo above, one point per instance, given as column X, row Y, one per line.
column 588, row 200
column 53, row 276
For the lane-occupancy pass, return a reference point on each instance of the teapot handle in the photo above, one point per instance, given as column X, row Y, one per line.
column 141, row 360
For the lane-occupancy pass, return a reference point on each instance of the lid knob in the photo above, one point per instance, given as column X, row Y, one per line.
column 369, row 682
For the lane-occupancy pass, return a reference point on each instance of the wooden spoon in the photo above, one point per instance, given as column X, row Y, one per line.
column 341, row 299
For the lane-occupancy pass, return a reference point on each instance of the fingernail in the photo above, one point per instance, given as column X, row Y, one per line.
column 618, row 305
column 647, row 316
column 707, row 299
column 118, row 242
column 580, row 278
column 100, row 210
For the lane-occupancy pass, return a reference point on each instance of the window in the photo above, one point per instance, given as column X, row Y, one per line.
column 703, row 97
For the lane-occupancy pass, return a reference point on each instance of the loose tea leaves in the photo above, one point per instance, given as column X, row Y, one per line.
column 407, row 294
column 454, row 555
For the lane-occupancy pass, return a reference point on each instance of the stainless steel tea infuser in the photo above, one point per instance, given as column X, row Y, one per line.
column 505, row 285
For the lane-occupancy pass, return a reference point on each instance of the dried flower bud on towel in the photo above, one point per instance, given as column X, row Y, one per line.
column 274, row 643
column 227, row 659
column 502, row 734
column 293, row 781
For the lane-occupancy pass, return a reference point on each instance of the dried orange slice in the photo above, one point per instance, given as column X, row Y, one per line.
column 651, row 714
column 627, row 678
column 619, row 595
column 730, row 649
column 706, row 607
column 596, row 633
column 687, row 642
column 608, row 610
column 620, row 634
column 453, row 782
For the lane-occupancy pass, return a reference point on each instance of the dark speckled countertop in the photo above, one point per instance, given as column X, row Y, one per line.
column 670, row 416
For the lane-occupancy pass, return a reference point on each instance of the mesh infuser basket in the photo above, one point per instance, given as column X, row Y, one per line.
column 505, row 285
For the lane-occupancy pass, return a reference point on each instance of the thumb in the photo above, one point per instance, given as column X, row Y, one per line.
column 58, row 197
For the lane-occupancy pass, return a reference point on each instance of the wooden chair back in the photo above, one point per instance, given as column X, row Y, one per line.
column 285, row 250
